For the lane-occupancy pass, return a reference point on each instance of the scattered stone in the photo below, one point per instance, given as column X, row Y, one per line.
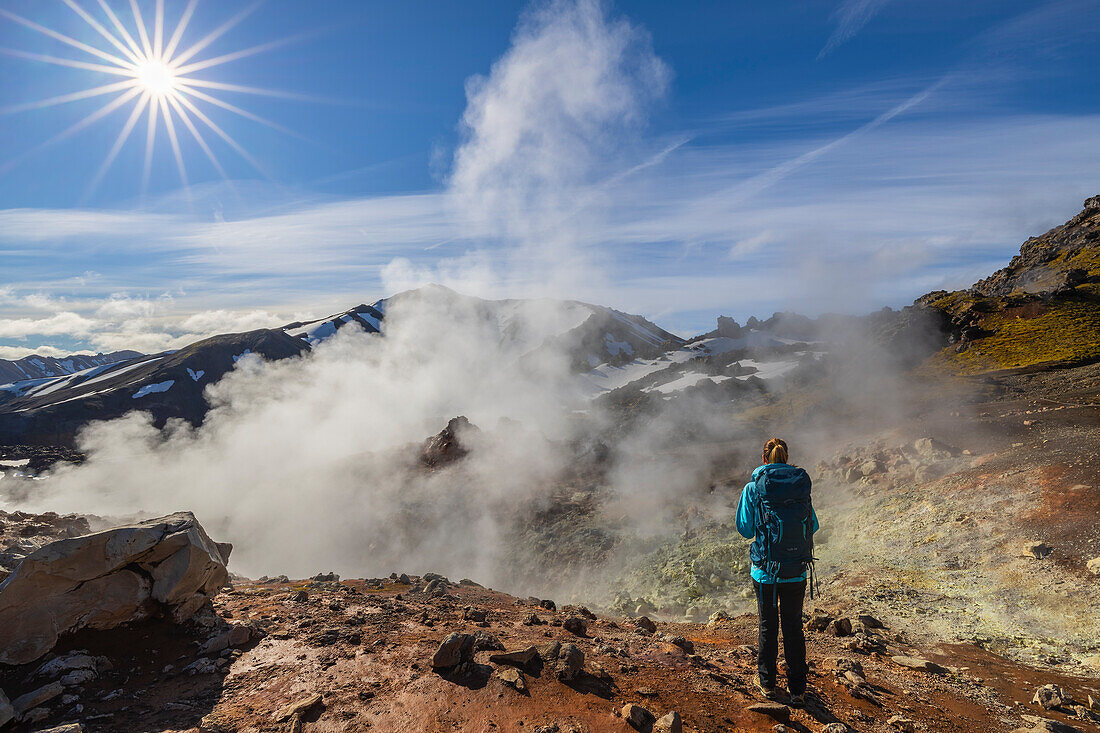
column 575, row 625
column 58, row 666
column 299, row 708
column 669, row 723
column 1035, row 549
column 513, row 678
column 486, row 642
column 869, row 622
column 1093, row 566
column 638, row 717
column 687, row 646
column 1050, row 697
column 839, row 627
column 776, row 710
column 905, row 725
column 476, row 615
column 819, row 622
column 532, row 620
column 64, row 728
column 717, row 619
column 106, row 579
column 453, row 651
column 7, row 712
column 834, row 728
column 646, row 692
column 1046, row 725
column 570, row 662
column 78, row 677
column 549, row 651
column 548, row 605
column 645, row 622
column 33, row 699
column 329, row 577
column 519, row 658
column 35, row 715
column 1092, row 704
column 235, row 636
column 919, row 664
column 870, row 468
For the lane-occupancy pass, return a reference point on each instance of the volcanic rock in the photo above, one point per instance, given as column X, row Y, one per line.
column 570, row 662
column 717, row 619
column 669, row 723
column 108, row 578
column 448, row 445
column 454, row 650
column 519, row 658
column 1051, row 697
column 776, row 710
column 819, row 622
column 300, row 707
column 905, row 725
column 1037, row 550
column 7, row 712
column 575, row 625
column 1093, row 566
column 638, row 717
column 34, row 698
column 644, row 622
column 839, row 627
column 920, row 664
column 513, row 678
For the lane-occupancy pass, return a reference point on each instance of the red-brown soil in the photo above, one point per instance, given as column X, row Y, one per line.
column 366, row 647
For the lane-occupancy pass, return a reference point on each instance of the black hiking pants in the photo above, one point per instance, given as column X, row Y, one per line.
column 786, row 614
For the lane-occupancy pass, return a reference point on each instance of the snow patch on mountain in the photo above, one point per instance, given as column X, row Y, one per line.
column 154, row 388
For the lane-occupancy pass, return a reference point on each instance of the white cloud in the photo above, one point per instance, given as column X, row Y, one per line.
column 13, row 353
column 225, row 321
column 64, row 323
column 850, row 18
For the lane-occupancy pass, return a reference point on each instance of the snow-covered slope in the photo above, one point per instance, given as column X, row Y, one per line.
column 607, row 350
column 44, row 367
column 589, row 334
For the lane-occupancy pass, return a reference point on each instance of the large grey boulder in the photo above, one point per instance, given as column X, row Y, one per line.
column 106, row 579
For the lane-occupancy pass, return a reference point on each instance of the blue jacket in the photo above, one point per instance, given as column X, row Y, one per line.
column 746, row 525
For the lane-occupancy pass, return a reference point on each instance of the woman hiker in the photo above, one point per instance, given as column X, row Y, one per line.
column 776, row 512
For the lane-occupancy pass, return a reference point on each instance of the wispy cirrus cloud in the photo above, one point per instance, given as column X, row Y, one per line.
column 851, row 16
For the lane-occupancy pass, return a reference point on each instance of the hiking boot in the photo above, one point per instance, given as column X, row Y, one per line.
column 767, row 692
column 798, row 701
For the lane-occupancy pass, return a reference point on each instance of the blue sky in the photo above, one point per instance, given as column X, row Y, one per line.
column 680, row 160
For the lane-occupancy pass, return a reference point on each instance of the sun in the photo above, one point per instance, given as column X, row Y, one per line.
column 154, row 75
column 156, row 78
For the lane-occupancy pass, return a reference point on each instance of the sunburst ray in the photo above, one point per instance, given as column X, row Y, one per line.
column 216, row 33
column 74, row 128
column 123, row 136
column 66, row 98
column 64, row 39
column 117, row 23
column 143, row 33
column 145, row 50
column 114, row 41
column 181, row 26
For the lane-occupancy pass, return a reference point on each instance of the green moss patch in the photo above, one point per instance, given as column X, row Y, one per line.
column 1067, row 332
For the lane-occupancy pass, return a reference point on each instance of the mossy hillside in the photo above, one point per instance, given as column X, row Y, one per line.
column 1066, row 331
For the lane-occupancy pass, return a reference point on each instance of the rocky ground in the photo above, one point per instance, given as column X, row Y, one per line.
column 426, row 654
